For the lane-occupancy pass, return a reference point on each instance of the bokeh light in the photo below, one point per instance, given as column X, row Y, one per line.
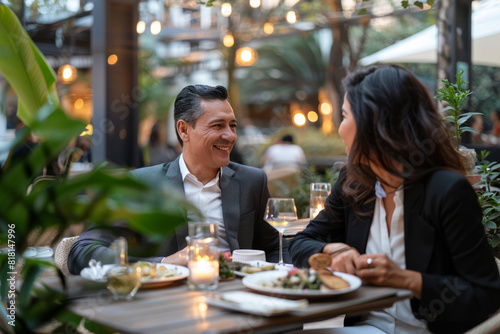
column 141, row 27
column 112, row 59
column 325, row 108
column 291, row 17
column 299, row 119
column 312, row 116
column 228, row 40
column 226, row 9
column 268, row 28
column 155, row 27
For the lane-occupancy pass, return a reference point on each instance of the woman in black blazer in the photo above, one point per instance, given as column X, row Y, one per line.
column 401, row 213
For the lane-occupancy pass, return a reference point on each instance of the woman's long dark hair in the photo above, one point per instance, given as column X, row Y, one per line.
column 397, row 125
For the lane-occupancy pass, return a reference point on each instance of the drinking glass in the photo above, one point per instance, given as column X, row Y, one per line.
column 319, row 193
column 279, row 213
column 123, row 279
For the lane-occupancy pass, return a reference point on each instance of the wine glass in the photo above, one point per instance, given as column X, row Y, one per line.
column 279, row 213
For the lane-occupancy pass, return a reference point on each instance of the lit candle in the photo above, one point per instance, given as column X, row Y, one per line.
column 316, row 211
column 202, row 272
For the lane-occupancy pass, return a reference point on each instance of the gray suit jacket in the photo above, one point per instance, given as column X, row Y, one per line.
column 244, row 195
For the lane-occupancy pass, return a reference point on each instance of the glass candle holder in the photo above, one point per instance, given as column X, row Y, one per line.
column 203, row 265
column 319, row 193
column 207, row 232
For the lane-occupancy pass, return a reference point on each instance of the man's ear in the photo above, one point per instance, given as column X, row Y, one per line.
column 182, row 129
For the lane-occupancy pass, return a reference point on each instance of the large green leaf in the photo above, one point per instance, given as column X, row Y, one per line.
column 23, row 66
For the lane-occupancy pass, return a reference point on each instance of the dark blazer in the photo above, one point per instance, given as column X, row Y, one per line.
column 244, row 195
column 444, row 240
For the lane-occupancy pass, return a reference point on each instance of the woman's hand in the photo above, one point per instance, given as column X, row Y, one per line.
column 343, row 257
column 378, row 269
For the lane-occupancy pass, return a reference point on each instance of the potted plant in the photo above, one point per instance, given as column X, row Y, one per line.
column 101, row 196
column 489, row 199
column 455, row 95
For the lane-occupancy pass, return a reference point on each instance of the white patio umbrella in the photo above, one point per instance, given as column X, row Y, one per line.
column 422, row 47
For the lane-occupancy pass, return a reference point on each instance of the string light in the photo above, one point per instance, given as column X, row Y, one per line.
column 254, row 3
column 246, row 56
column 299, row 119
column 155, row 27
column 141, row 27
column 325, row 108
column 67, row 73
column 112, row 59
column 228, row 40
column 79, row 104
column 268, row 28
column 312, row 116
column 226, row 9
column 291, row 17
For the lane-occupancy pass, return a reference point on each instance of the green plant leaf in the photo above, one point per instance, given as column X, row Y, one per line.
column 23, row 66
column 96, row 328
column 69, row 321
column 468, row 129
column 31, row 271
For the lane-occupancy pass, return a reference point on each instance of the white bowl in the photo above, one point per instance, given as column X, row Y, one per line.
column 244, row 255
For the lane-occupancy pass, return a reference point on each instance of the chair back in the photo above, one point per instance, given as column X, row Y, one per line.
column 61, row 254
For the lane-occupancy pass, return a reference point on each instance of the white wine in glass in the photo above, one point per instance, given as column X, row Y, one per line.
column 279, row 213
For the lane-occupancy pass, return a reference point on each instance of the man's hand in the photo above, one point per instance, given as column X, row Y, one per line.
column 179, row 258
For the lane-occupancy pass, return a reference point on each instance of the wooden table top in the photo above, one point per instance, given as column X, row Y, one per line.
column 176, row 309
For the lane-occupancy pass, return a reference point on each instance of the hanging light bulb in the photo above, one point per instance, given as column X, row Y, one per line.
column 141, row 27
column 291, row 17
column 228, row 40
column 326, row 108
column 155, row 27
column 312, row 116
column 246, row 56
column 268, row 28
column 226, row 9
column 67, row 73
column 254, row 3
column 112, row 59
column 299, row 119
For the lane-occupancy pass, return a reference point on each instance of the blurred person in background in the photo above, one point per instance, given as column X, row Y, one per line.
column 284, row 153
column 155, row 152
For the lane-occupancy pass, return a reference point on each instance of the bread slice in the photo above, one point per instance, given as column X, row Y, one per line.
column 320, row 261
column 331, row 281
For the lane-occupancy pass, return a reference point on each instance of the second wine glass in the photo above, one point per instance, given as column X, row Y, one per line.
column 279, row 213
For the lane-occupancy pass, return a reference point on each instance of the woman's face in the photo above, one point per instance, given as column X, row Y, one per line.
column 347, row 129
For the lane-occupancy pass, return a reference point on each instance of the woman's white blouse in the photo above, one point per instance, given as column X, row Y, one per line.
column 398, row 318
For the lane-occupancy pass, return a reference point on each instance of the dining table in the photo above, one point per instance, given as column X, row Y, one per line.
column 174, row 308
column 295, row 227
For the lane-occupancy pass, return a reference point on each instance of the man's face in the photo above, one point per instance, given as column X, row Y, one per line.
column 207, row 145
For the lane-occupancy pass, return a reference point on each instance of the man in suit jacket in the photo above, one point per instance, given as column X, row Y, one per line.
column 229, row 194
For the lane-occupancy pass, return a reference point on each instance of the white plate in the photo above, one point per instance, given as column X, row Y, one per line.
column 252, row 303
column 255, row 281
column 33, row 252
column 255, row 263
column 182, row 272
